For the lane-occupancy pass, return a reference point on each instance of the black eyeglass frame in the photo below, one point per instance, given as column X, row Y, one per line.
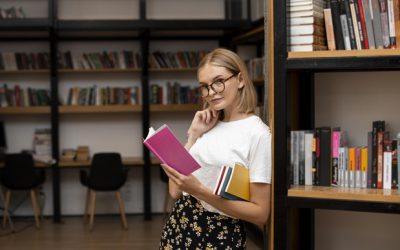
column 204, row 86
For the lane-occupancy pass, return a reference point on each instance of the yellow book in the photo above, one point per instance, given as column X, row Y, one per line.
column 364, row 166
column 239, row 182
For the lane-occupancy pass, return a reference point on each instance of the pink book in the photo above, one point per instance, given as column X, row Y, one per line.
column 164, row 144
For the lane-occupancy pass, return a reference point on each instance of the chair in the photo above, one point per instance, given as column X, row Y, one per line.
column 19, row 173
column 106, row 174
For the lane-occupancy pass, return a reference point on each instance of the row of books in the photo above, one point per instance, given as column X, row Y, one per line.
column 12, row 12
column 173, row 93
column 306, row 25
column 100, row 60
column 80, row 154
column 24, row 61
column 175, row 60
column 256, row 68
column 323, row 157
column 343, row 24
column 362, row 24
column 18, row 97
column 104, row 96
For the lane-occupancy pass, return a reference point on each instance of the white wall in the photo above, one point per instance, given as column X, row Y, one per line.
column 352, row 101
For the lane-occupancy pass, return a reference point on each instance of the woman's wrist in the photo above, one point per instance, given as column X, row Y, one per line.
column 191, row 139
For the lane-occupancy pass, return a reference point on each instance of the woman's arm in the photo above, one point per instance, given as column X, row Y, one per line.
column 256, row 211
column 202, row 122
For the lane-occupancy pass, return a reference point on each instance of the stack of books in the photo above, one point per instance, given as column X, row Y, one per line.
column 68, row 155
column 82, row 153
column 306, row 25
column 233, row 183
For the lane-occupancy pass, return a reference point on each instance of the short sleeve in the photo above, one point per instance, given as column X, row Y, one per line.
column 260, row 158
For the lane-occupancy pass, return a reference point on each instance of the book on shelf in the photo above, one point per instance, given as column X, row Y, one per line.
column 364, row 167
column 330, row 35
column 233, row 183
column 167, row 148
column 307, row 47
column 387, row 165
column 395, row 180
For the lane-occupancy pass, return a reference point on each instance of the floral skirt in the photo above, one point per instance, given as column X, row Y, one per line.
column 190, row 226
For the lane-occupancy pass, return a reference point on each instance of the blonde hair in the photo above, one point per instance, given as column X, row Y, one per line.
column 234, row 64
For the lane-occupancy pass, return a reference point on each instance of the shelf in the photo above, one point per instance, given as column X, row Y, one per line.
column 169, row 24
column 175, row 107
column 357, row 199
column 174, row 70
column 127, row 161
column 374, row 59
column 27, row 24
column 99, row 70
column 24, row 110
column 78, row 109
column 25, row 71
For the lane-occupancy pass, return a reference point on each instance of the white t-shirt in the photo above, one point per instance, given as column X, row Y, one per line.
column 246, row 141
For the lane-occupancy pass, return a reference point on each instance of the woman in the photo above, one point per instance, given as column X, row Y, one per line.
column 225, row 132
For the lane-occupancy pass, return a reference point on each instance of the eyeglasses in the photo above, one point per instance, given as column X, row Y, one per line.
column 217, row 86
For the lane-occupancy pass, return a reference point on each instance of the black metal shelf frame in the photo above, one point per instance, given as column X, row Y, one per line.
column 305, row 68
column 57, row 31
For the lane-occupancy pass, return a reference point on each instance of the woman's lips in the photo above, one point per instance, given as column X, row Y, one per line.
column 216, row 100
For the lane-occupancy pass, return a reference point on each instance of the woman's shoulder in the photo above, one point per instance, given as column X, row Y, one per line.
column 258, row 126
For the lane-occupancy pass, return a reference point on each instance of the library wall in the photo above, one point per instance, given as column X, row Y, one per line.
column 105, row 132
column 352, row 101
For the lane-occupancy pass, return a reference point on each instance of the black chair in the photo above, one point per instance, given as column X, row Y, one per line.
column 19, row 173
column 106, row 174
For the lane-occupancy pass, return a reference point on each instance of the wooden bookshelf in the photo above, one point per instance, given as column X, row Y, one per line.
column 127, row 161
column 341, row 193
column 174, row 70
column 69, row 71
column 80, row 109
column 175, row 107
column 25, row 71
column 344, row 53
column 24, row 110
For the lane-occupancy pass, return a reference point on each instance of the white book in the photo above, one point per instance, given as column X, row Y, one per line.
column 306, row 20
column 387, row 170
column 304, row 13
column 306, row 39
column 311, row 6
column 346, row 167
column 308, row 140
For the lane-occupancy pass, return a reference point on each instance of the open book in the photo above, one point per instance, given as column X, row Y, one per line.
column 164, row 144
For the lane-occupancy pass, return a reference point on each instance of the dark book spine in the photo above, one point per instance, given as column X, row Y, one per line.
column 325, row 156
column 361, row 31
column 337, row 29
column 395, row 180
column 369, row 170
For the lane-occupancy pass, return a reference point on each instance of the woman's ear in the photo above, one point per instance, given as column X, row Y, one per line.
column 241, row 81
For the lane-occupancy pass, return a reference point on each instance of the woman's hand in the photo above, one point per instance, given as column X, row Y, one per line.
column 188, row 184
column 202, row 122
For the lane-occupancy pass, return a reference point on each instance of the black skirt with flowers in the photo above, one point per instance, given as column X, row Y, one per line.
column 190, row 226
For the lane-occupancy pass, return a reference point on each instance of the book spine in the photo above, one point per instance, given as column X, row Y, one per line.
column 369, row 169
column 335, row 157
column 337, row 28
column 358, row 167
column 395, row 180
column 345, row 26
column 392, row 26
column 387, row 165
column 368, row 23
column 361, row 24
column 376, row 22
column 384, row 23
column 352, row 167
column 330, row 35
column 358, row 37
column 364, row 166
column 325, row 157
column 350, row 24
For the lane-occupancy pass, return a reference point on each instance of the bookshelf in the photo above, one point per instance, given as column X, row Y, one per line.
column 295, row 108
column 58, row 32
